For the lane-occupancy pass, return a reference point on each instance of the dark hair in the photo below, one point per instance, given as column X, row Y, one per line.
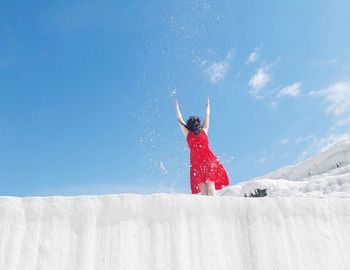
column 194, row 124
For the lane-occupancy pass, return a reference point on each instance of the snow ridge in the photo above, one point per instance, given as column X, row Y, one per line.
column 335, row 157
column 324, row 175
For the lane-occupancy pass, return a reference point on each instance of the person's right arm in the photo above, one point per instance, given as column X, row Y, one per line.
column 180, row 119
column 206, row 118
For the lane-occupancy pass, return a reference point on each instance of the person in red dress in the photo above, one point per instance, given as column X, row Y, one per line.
column 207, row 174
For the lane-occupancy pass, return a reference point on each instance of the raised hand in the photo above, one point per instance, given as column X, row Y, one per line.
column 208, row 107
column 180, row 119
column 206, row 117
column 176, row 103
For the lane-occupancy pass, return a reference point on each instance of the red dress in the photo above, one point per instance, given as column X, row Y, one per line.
column 204, row 164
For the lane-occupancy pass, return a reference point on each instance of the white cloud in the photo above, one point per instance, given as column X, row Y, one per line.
column 343, row 122
column 273, row 105
column 299, row 140
column 338, row 97
column 291, row 90
column 302, row 155
column 324, row 62
column 230, row 55
column 320, row 144
column 304, row 139
column 325, row 143
column 258, row 81
column 217, row 71
column 261, row 160
column 253, row 57
column 284, row 141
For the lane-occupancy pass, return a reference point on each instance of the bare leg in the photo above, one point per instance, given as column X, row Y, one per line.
column 203, row 189
column 211, row 188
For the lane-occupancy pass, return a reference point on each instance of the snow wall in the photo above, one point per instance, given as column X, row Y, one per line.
column 173, row 232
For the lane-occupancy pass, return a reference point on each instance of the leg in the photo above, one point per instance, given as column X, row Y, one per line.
column 211, row 188
column 203, row 188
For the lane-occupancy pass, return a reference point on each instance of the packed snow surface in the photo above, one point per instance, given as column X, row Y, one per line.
column 324, row 175
column 303, row 223
column 173, row 232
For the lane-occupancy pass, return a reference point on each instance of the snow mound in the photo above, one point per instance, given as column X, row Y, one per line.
column 324, row 175
column 173, row 232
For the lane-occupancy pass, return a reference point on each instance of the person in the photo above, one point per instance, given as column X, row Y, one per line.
column 207, row 174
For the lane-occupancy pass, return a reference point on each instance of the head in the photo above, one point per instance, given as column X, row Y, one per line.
column 194, row 124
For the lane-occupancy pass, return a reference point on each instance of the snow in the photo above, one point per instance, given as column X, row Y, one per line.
column 324, row 175
column 166, row 231
column 302, row 224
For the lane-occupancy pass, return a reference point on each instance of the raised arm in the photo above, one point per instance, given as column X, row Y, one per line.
column 180, row 119
column 206, row 117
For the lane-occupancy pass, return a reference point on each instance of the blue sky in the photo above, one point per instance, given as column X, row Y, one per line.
column 87, row 90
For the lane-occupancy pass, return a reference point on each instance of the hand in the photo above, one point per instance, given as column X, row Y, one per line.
column 208, row 107
column 176, row 103
column 177, row 108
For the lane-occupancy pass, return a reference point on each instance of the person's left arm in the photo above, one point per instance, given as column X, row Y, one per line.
column 180, row 119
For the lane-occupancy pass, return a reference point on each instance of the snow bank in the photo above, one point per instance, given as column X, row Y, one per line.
column 173, row 232
column 190, row 231
column 335, row 157
column 324, row 175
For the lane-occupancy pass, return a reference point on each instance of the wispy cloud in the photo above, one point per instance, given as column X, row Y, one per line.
column 320, row 144
column 324, row 62
column 261, row 160
column 253, row 57
column 338, row 98
column 298, row 140
column 291, row 90
column 327, row 142
column 273, row 105
column 303, row 155
column 343, row 122
column 302, row 139
column 284, row 141
column 217, row 71
column 258, row 81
